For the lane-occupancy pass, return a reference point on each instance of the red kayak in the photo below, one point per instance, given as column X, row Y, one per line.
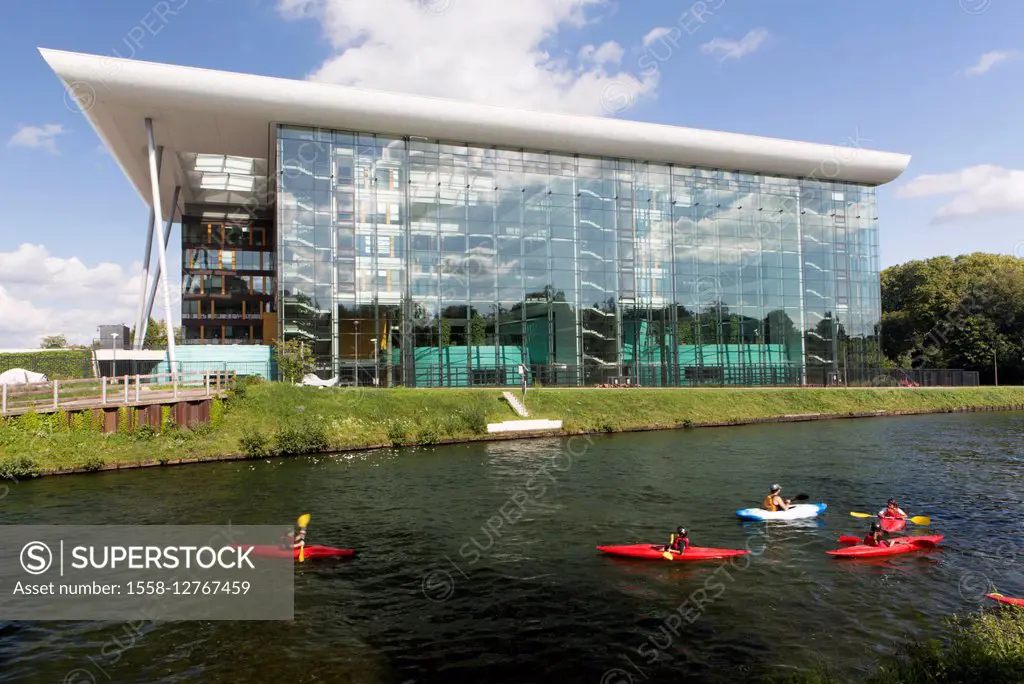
column 312, row 551
column 900, row 545
column 891, row 524
column 656, row 551
column 1006, row 599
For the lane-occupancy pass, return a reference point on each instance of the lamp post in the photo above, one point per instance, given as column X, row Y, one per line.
column 376, row 372
column 113, row 350
column 356, row 323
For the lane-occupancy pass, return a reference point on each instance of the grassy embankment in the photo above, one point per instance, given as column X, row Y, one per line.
column 985, row 648
column 272, row 419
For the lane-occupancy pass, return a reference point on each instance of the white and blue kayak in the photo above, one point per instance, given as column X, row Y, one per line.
column 795, row 512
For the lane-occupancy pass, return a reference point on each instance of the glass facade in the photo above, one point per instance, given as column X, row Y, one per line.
column 425, row 263
column 228, row 280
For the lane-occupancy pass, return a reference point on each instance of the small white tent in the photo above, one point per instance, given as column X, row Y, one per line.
column 20, row 376
column 310, row 380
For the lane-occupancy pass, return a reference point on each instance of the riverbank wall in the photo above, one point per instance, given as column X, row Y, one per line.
column 269, row 420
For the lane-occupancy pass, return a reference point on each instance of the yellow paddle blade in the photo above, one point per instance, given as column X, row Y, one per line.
column 861, row 515
column 303, row 520
column 921, row 520
column 667, row 555
column 302, row 552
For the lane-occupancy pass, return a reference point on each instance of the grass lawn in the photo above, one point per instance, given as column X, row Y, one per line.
column 268, row 419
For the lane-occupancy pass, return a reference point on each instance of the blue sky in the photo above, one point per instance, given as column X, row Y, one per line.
column 906, row 77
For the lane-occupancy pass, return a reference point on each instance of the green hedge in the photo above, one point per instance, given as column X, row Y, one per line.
column 62, row 364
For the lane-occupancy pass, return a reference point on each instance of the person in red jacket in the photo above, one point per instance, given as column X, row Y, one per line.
column 892, row 510
column 680, row 541
column 875, row 538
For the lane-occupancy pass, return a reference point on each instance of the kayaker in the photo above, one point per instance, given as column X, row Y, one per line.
column 300, row 538
column 875, row 538
column 773, row 502
column 291, row 540
column 680, row 541
column 892, row 510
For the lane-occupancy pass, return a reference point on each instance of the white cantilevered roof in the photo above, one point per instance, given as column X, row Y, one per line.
column 206, row 112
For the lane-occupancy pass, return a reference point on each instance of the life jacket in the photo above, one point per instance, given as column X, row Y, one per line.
column 769, row 503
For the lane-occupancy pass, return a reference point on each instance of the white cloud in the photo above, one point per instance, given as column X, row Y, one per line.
column 725, row 48
column 608, row 53
column 982, row 189
column 499, row 53
column 37, row 137
column 42, row 294
column 656, row 33
column 989, row 60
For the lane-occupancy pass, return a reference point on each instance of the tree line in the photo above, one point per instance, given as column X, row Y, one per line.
column 156, row 338
column 956, row 312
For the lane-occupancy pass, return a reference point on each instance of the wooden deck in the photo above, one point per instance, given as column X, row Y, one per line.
column 187, row 396
column 162, row 397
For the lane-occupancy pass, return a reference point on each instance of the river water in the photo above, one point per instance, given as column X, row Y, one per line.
column 477, row 562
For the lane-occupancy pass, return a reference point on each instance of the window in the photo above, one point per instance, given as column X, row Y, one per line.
column 212, row 284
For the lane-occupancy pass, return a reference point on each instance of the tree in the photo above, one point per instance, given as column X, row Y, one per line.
column 477, row 329
column 54, row 342
column 294, row 360
column 956, row 312
column 156, row 335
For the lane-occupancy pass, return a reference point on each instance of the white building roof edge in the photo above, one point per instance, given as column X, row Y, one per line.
column 219, row 112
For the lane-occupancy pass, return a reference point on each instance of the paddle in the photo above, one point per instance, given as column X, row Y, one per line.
column 923, row 520
column 303, row 523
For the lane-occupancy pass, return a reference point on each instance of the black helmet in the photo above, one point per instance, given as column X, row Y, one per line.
column 681, row 531
column 875, row 527
column 891, row 502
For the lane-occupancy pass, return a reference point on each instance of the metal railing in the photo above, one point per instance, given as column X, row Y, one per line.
column 111, row 391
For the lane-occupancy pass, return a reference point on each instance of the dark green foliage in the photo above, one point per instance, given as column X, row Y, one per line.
column 93, row 463
column 474, row 417
column 302, row 437
column 144, row 433
column 294, row 360
column 963, row 312
column 255, row 444
column 14, row 467
column 980, row 648
column 397, row 432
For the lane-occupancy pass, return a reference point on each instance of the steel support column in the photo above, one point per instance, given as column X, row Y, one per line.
column 151, row 294
column 139, row 334
column 154, row 177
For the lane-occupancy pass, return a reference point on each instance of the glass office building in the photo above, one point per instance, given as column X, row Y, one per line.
column 427, row 242
column 425, row 262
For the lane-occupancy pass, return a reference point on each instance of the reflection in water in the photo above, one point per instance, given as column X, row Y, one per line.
column 477, row 562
